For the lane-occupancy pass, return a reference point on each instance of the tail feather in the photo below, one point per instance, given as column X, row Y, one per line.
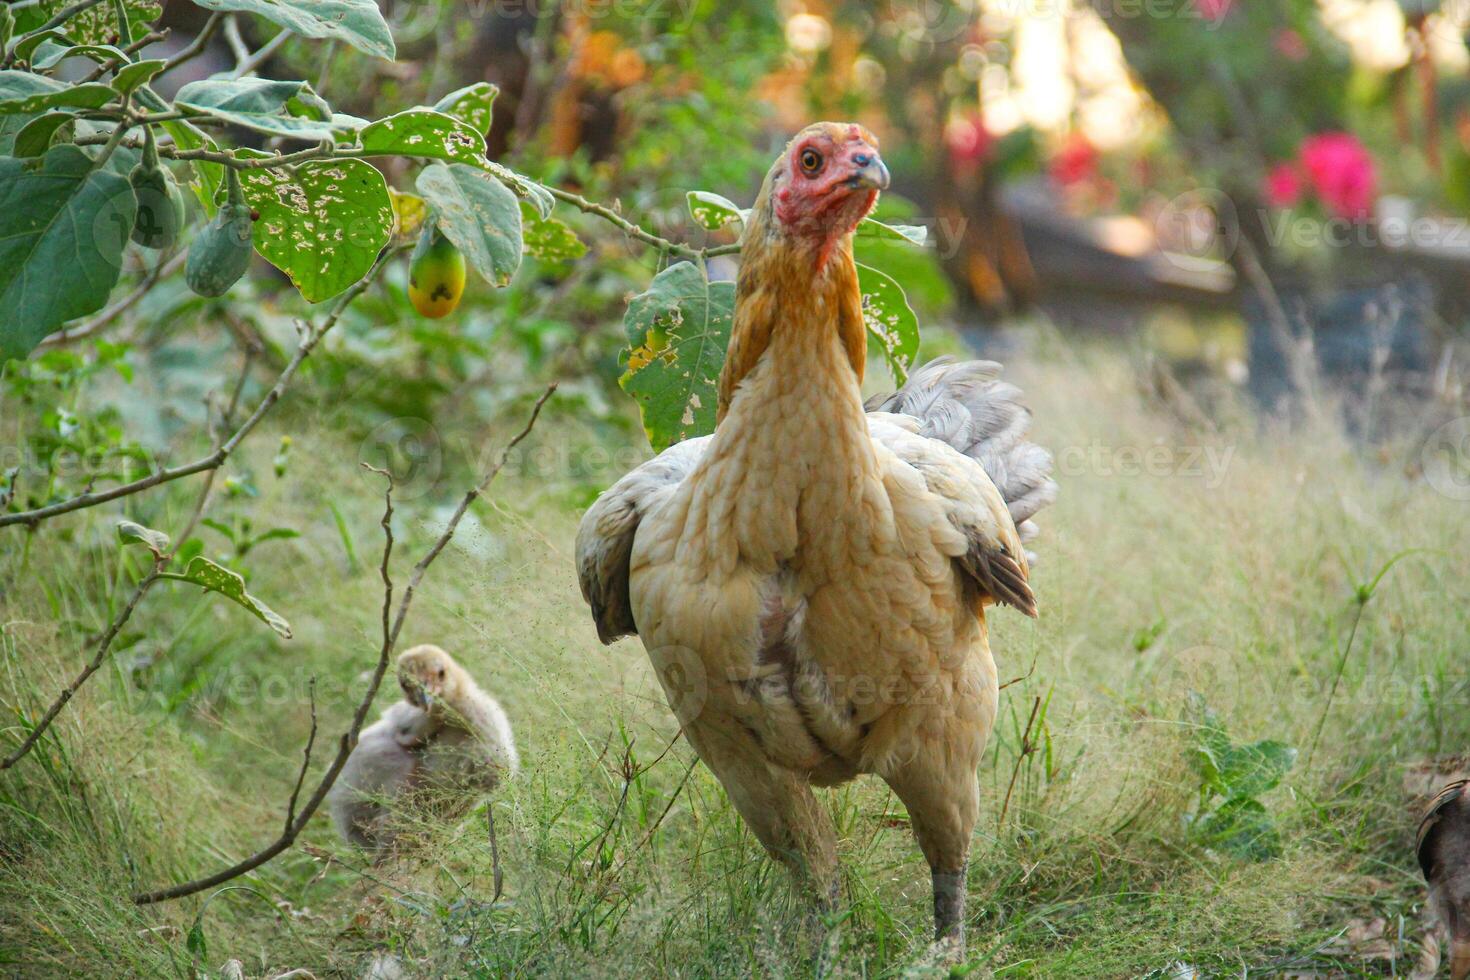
column 967, row 406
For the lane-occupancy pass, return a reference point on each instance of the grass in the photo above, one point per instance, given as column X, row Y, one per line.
column 1178, row 559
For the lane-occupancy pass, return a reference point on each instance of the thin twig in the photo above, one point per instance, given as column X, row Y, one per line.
column 113, row 64
column 310, row 339
column 98, row 657
column 254, row 61
column 637, row 231
column 1362, row 604
column 496, row 874
column 391, row 627
column 305, row 757
column 195, row 47
column 1026, row 749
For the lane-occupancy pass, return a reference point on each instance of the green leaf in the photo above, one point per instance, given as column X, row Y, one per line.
column 20, row 91
column 155, row 541
column 913, row 234
column 322, row 224
column 35, row 137
column 424, row 133
column 63, row 226
column 98, row 25
column 194, row 942
column 478, row 214
column 1250, row 770
column 7, row 26
column 473, row 105
column 358, row 22
column 52, row 53
column 677, row 334
column 713, row 212
column 206, row 574
column 260, row 104
column 891, row 322
column 127, row 78
column 549, row 239
column 1241, row 828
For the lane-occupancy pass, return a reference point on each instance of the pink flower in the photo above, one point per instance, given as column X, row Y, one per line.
column 1290, row 45
column 1214, row 10
column 968, row 140
column 1075, row 162
column 1284, row 186
column 1341, row 173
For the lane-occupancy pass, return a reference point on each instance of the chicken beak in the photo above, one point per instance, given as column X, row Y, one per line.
column 871, row 172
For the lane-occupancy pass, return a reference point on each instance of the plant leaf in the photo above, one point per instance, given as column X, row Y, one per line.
column 677, row 330
column 262, row 105
column 478, row 214
column 713, row 212
column 549, row 239
column 129, row 532
column 63, row 225
column 358, row 22
column 913, row 234
column 891, row 322
column 1241, row 828
column 1253, row 769
column 216, row 578
column 98, row 25
column 524, row 188
column 322, row 224
column 127, row 78
column 35, row 136
column 473, row 105
column 20, row 91
column 424, row 133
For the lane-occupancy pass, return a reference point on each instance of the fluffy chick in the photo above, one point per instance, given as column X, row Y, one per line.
column 445, row 743
column 1444, row 855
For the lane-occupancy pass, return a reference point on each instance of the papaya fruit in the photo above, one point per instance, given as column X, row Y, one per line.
column 220, row 253
column 436, row 274
column 160, row 214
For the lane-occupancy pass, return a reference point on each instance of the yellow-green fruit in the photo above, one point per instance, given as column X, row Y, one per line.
column 435, row 275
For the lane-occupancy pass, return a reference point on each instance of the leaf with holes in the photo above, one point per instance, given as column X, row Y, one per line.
column 677, row 330
column 913, row 234
column 129, row 532
column 20, row 91
column 891, row 322
column 321, row 224
column 549, row 239
column 263, row 105
column 478, row 214
column 473, row 105
column 713, row 212
column 358, row 22
column 424, row 133
column 206, row 574
column 524, row 188
column 63, row 225
column 98, row 25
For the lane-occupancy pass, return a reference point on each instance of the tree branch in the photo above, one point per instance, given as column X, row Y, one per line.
column 391, row 627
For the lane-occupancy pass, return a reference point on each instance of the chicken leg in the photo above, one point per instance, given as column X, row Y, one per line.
column 943, row 803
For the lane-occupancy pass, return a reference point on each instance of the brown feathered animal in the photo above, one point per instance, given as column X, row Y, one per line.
column 1444, row 855
column 811, row 580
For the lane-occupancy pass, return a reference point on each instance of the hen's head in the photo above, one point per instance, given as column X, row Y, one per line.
column 426, row 673
column 824, row 183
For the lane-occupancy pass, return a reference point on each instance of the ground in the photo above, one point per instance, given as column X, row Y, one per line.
column 1185, row 567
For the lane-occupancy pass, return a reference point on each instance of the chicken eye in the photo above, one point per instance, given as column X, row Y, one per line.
column 811, row 161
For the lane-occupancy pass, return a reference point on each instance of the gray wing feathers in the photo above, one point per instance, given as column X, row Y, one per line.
column 968, row 407
column 608, row 529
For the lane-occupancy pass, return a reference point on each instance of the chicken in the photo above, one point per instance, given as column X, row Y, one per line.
column 811, row 580
column 442, row 745
column 1444, row 855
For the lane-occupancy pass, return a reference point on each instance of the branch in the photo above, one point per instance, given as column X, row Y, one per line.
column 215, row 459
column 195, row 47
column 391, row 627
column 103, row 646
column 637, row 231
column 113, row 64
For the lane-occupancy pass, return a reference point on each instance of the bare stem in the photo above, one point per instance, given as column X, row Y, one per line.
column 1026, row 749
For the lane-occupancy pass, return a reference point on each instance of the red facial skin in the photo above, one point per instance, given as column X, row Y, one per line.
column 822, row 204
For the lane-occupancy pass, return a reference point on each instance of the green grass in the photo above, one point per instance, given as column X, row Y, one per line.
column 619, row 855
